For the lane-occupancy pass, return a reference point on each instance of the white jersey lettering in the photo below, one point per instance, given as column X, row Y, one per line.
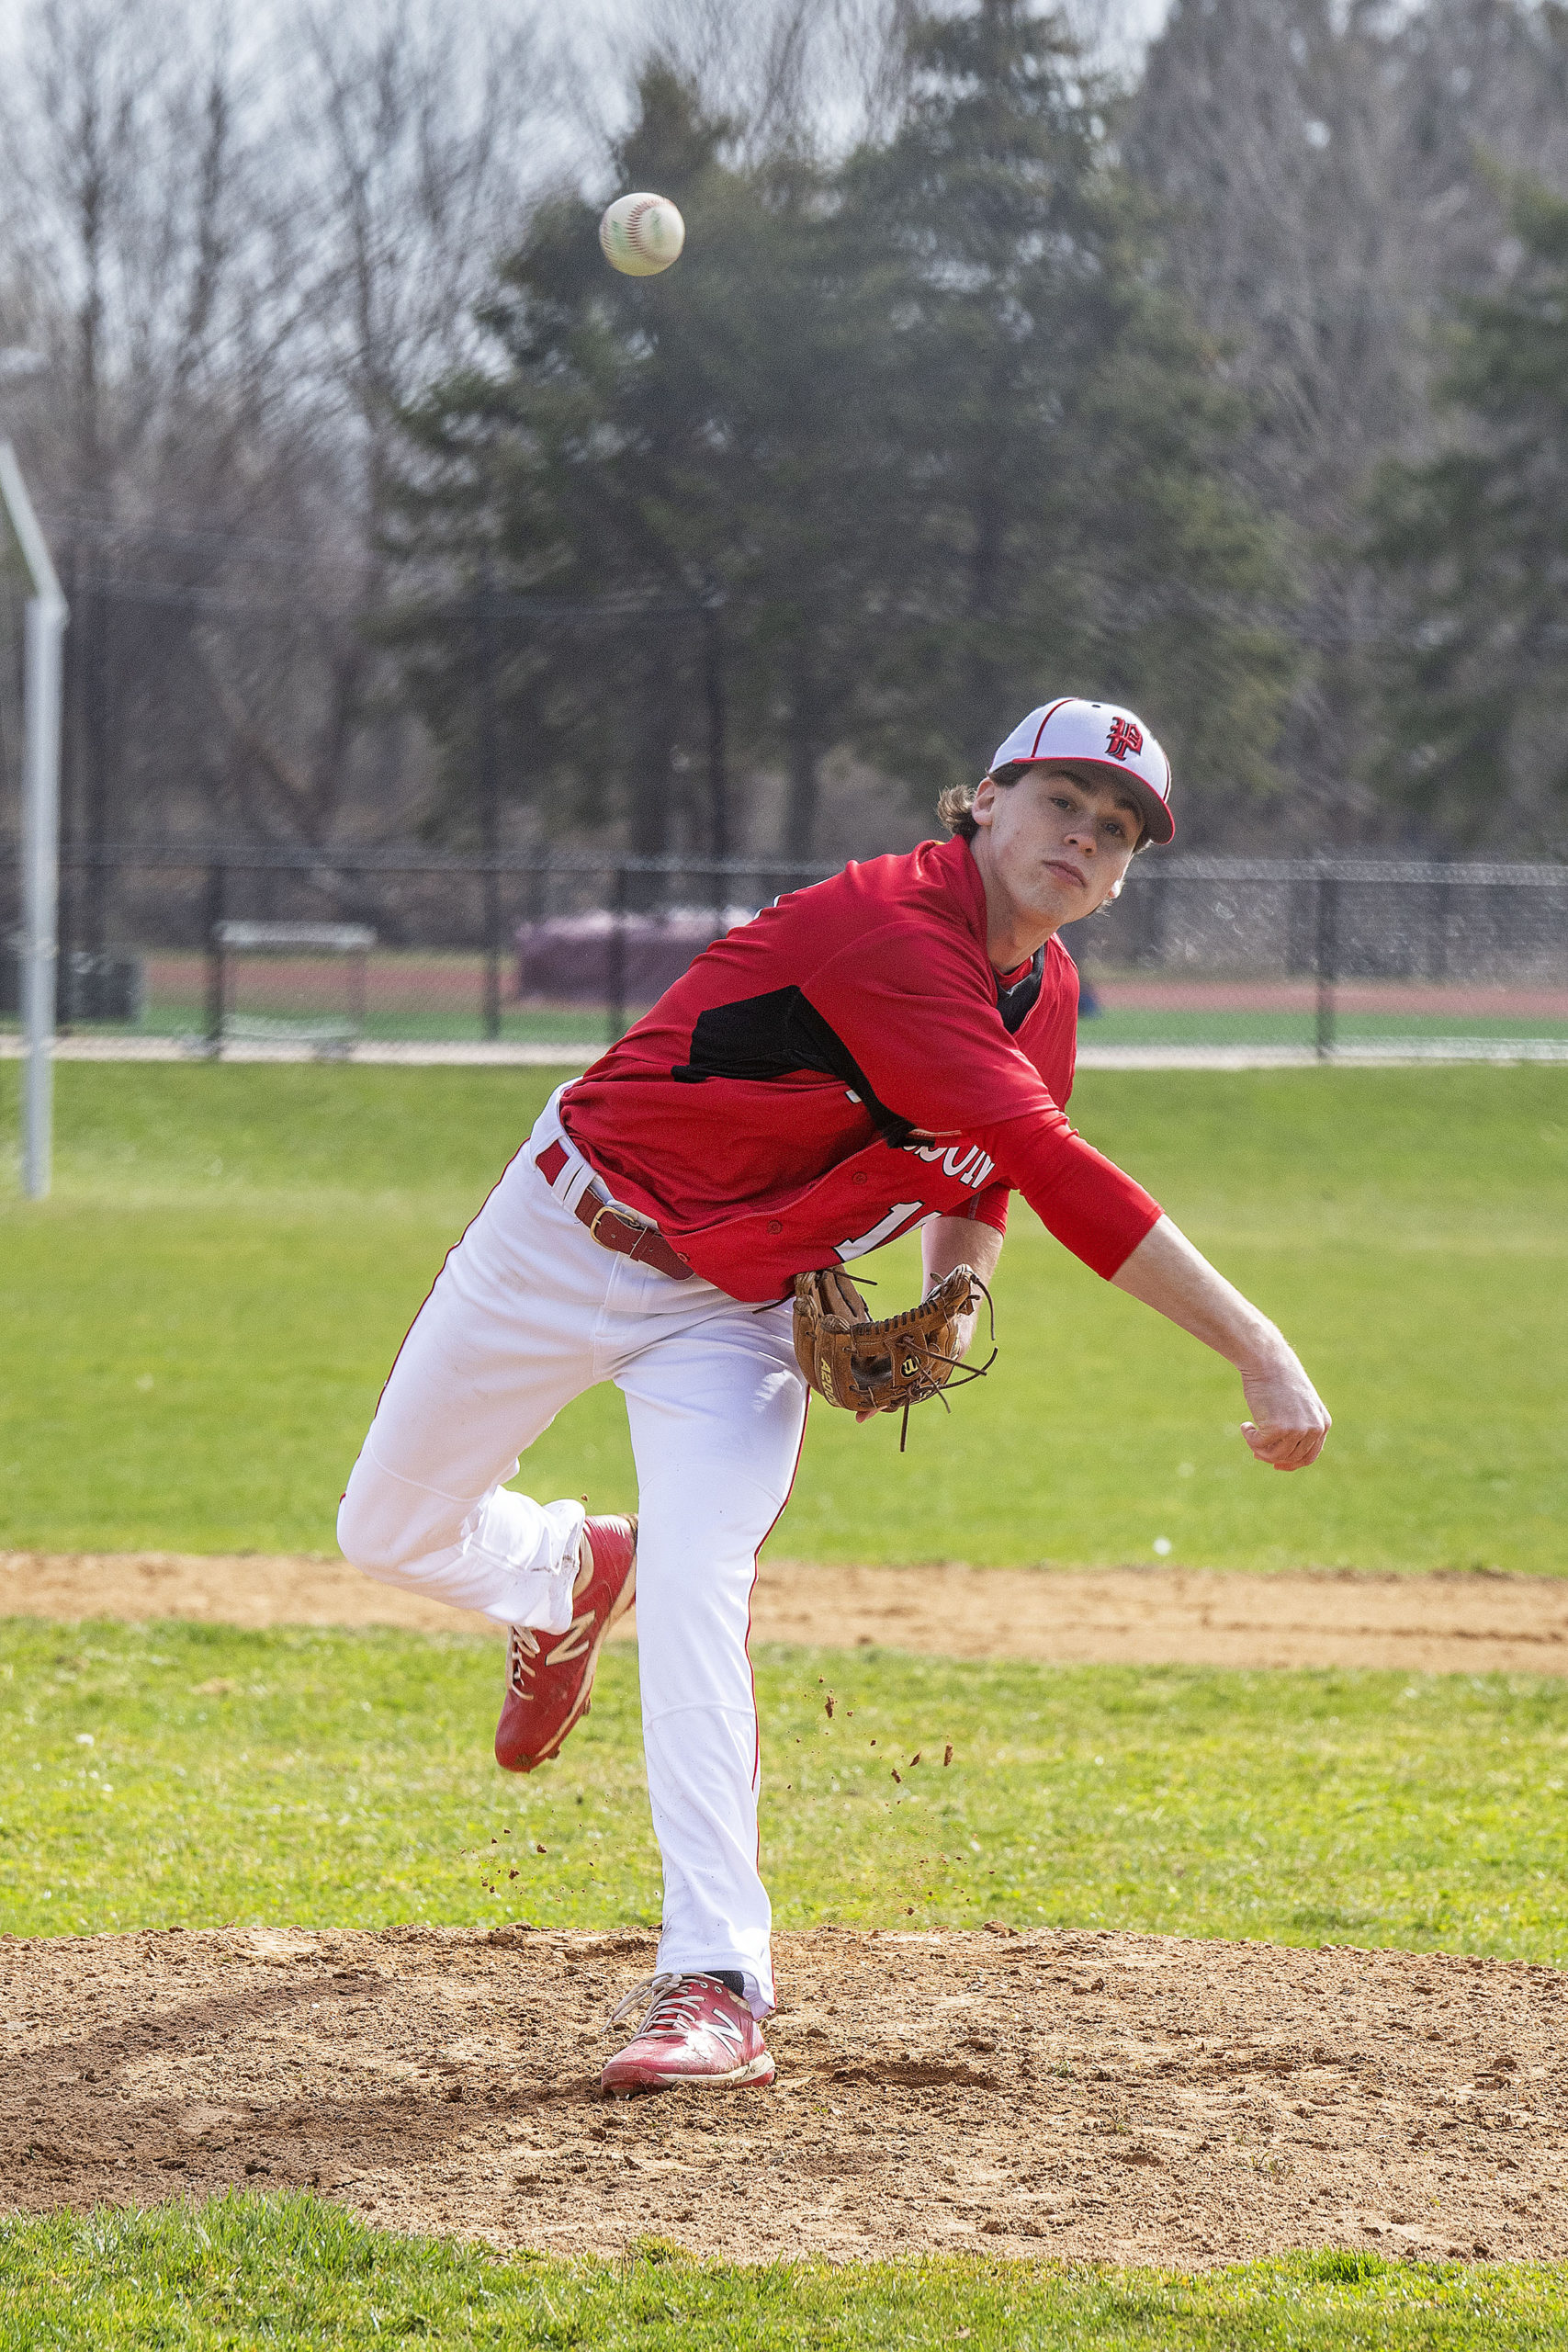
column 883, row 1230
column 966, row 1163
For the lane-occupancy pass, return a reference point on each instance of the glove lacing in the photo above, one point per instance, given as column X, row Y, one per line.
column 959, row 1374
column 956, row 1364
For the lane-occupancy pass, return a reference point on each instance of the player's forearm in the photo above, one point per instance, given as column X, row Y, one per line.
column 1289, row 1420
column 950, row 1241
column 1168, row 1274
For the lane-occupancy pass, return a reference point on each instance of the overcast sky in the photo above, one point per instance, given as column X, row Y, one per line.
column 1130, row 24
column 604, row 39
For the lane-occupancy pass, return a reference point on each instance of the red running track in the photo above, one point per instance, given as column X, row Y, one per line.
column 1349, row 996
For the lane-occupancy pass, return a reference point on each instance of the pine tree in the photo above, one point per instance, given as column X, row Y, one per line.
column 825, row 482
column 1475, row 543
column 1067, row 523
column 692, row 446
column 583, row 467
column 920, row 440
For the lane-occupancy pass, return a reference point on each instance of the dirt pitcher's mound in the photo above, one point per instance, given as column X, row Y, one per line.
column 1133, row 2098
column 1461, row 1623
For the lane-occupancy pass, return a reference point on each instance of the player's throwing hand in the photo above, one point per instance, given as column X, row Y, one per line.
column 1289, row 1420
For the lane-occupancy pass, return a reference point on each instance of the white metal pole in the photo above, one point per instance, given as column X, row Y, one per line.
column 46, row 616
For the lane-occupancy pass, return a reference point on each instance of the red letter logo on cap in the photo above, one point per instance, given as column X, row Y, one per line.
column 1125, row 736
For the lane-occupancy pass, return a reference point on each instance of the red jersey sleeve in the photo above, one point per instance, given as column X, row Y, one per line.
column 1094, row 1208
column 918, row 1011
column 990, row 1207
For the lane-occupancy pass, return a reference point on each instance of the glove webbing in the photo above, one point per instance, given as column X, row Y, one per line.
column 959, row 1374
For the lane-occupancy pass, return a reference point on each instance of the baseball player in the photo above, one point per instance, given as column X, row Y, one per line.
column 890, row 1048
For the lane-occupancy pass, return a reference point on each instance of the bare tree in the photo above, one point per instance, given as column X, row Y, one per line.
column 138, row 238
column 415, row 159
column 238, row 274
column 408, row 165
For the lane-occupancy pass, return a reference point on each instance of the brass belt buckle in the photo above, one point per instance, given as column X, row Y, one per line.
column 604, row 1209
column 629, row 1218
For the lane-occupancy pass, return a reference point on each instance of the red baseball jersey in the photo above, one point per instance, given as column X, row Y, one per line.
column 843, row 1067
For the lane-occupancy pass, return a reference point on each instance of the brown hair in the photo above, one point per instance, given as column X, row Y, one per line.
column 956, row 802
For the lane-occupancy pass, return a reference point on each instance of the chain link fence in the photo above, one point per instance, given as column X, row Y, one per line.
column 204, row 708
column 395, row 953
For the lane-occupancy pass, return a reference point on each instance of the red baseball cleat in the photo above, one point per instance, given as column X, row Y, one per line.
column 696, row 2030
column 549, row 1676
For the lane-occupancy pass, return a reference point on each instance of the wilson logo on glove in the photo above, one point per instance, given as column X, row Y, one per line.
column 868, row 1365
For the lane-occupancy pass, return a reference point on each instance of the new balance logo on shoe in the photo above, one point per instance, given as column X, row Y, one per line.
column 549, row 1678
column 694, row 2030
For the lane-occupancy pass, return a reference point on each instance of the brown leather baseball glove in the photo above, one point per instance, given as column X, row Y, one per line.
column 881, row 1365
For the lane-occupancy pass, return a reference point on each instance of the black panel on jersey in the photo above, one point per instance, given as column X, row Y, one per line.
column 1016, row 1004
column 774, row 1036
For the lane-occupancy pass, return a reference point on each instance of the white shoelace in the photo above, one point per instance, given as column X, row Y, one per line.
column 674, row 2003
column 523, row 1651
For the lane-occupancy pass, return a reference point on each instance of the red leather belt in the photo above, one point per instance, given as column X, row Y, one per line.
column 613, row 1226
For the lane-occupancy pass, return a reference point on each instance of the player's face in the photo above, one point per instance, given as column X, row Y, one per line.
column 1054, row 847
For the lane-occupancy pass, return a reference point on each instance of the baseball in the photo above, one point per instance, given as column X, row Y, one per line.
column 641, row 234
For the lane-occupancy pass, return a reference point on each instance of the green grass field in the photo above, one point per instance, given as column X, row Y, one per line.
column 1180, row 1025
column 178, row 1774
column 205, row 1311
column 207, row 1307
column 296, row 2271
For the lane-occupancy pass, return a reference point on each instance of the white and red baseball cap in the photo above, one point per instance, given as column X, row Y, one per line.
column 1097, row 738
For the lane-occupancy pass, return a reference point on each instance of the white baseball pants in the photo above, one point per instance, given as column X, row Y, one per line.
column 527, row 1312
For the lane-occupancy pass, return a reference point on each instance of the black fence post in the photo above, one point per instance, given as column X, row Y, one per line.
column 67, row 890
column 489, row 803
column 96, row 654
column 358, row 988
column 1438, row 897
column 615, row 961
column 1326, row 961
column 217, row 972
column 491, row 1011
column 1149, row 910
column 718, row 765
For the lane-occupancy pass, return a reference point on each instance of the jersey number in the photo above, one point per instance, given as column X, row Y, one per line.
column 883, row 1230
